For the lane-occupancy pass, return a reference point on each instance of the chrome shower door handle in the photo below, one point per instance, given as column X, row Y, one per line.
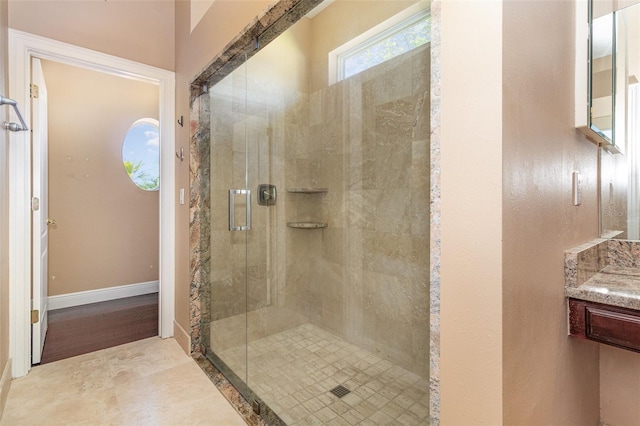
column 232, row 224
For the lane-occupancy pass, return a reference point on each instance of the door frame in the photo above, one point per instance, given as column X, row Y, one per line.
column 22, row 47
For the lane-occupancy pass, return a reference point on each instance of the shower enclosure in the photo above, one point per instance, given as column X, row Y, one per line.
column 314, row 230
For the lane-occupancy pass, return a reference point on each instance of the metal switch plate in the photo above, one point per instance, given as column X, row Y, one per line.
column 267, row 195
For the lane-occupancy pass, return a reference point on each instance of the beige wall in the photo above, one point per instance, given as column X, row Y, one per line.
column 194, row 50
column 4, row 212
column 142, row 31
column 284, row 64
column 619, row 387
column 471, row 215
column 505, row 355
column 548, row 378
column 106, row 231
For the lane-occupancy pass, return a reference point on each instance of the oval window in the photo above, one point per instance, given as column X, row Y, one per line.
column 141, row 154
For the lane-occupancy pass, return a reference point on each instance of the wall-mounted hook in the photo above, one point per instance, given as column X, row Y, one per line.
column 181, row 121
column 181, row 155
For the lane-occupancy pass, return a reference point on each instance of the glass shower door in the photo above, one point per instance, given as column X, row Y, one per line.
column 244, row 202
column 231, row 215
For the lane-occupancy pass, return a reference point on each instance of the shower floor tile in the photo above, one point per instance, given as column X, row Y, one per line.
column 293, row 372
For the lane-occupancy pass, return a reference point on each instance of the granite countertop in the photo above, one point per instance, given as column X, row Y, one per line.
column 612, row 285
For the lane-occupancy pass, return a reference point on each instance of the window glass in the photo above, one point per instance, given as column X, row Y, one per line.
column 141, row 154
column 385, row 45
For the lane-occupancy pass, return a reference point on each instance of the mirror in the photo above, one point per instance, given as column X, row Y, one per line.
column 620, row 167
column 602, row 82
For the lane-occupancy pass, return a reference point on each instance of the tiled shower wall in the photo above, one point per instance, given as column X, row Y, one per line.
column 366, row 276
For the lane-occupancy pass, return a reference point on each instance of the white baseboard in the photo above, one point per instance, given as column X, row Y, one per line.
column 5, row 384
column 101, row 295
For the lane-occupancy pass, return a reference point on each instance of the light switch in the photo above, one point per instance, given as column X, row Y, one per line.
column 577, row 188
column 181, row 195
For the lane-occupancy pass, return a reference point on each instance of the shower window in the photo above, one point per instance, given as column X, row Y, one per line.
column 395, row 36
column 141, row 154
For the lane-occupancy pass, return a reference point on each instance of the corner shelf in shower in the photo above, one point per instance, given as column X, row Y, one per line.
column 307, row 190
column 307, row 225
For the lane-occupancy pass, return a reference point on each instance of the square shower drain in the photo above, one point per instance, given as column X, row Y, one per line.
column 340, row 391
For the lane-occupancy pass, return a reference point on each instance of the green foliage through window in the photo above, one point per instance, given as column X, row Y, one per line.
column 140, row 177
column 401, row 38
column 141, row 154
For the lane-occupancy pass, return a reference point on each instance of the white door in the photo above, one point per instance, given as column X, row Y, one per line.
column 40, row 220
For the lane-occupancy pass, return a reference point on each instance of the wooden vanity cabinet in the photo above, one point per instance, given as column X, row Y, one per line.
column 606, row 324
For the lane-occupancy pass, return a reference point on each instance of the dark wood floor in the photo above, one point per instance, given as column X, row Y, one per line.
column 88, row 328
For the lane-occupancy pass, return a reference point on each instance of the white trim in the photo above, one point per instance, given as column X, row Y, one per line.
column 23, row 46
column 101, row 295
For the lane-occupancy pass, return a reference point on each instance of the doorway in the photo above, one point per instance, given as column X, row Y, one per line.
column 103, row 212
column 23, row 47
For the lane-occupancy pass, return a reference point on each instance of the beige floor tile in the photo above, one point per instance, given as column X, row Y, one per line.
column 181, row 395
column 150, row 382
column 55, row 409
column 294, row 371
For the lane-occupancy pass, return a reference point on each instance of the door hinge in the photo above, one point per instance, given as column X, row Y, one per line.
column 35, row 316
column 35, row 204
column 34, row 92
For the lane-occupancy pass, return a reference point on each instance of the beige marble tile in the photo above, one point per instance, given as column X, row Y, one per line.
column 150, row 381
column 59, row 406
column 180, row 395
column 294, row 371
